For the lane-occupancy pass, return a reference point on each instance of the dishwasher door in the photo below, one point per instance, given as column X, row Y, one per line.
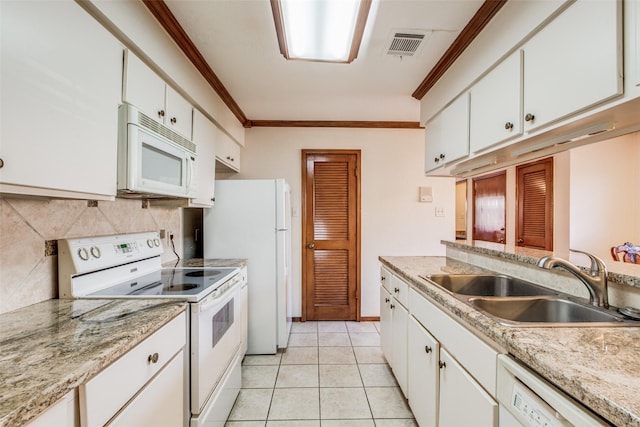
column 528, row 400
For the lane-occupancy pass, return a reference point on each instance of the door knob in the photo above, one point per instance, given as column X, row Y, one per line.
column 311, row 245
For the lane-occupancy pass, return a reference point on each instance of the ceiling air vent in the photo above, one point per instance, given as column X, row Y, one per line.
column 405, row 44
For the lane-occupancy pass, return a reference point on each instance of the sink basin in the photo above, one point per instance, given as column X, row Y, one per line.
column 547, row 311
column 488, row 285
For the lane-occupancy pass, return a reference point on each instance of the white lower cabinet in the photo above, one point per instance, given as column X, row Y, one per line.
column 63, row 413
column 423, row 351
column 446, row 372
column 462, row 401
column 144, row 387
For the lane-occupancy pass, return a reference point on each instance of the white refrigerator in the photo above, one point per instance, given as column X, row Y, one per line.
column 251, row 219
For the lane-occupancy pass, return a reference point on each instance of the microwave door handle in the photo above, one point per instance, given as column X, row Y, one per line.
column 190, row 160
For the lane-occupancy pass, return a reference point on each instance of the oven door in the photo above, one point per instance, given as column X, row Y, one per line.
column 215, row 339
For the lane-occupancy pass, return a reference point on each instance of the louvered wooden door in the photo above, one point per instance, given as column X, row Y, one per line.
column 331, row 210
column 534, row 227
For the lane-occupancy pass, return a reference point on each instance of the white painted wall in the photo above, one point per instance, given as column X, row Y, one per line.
column 393, row 221
column 605, row 195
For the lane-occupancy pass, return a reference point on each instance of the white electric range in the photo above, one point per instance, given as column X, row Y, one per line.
column 129, row 266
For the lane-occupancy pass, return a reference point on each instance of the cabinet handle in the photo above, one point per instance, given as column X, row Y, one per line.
column 1, row 163
column 441, row 364
column 387, row 300
column 153, row 358
column 427, row 349
column 396, row 290
column 173, row 120
column 161, row 113
column 392, row 306
column 529, row 117
column 508, row 126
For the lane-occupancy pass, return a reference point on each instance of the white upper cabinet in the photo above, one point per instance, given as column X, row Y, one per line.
column 143, row 88
column 573, row 63
column 60, row 90
column 204, row 136
column 496, row 105
column 447, row 134
column 227, row 153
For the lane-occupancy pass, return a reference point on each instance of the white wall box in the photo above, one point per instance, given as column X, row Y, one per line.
column 63, row 413
column 143, row 88
column 61, row 84
column 143, row 387
column 227, row 153
column 447, row 134
column 573, row 63
column 496, row 105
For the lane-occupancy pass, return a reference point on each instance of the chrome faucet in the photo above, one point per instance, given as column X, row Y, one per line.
column 595, row 280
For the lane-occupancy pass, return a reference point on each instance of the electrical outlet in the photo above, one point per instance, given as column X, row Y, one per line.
column 439, row 211
column 162, row 233
column 169, row 237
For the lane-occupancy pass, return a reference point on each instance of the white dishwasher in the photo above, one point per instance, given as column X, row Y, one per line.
column 528, row 400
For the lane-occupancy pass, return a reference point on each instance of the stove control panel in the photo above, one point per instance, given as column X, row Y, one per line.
column 88, row 254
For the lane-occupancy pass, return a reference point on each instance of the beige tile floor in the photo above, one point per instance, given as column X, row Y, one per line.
column 332, row 374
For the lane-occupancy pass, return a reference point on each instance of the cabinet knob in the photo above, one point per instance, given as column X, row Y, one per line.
column 441, row 156
column 427, row 349
column 173, row 120
column 529, row 117
column 436, row 159
column 153, row 358
column 442, row 365
column 396, row 290
column 387, row 300
column 508, row 126
column 383, row 278
column 392, row 306
column 1, row 163
column 161, row 113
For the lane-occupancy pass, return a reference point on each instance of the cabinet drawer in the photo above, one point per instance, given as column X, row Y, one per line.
column 400, row 290
column 103, row 395
column 478, row 358
column 385, row 278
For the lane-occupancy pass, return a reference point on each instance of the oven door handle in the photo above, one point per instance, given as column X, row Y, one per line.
column 215, row 298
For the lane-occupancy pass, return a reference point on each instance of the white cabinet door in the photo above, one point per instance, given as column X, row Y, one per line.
column 61, row 84
column 447, row 134
column 143, row 88
column 179, row 113
column 573, row 63
column 496, row 105
column 161, row 401
column 400, row 317
column 61, row 414
column 146, row 90
column 227, row 153
column 204, row 136
column 385, row 324
column 462, row 401
column 422, row 353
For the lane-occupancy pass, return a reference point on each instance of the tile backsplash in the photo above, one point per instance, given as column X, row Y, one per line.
column 27, row 226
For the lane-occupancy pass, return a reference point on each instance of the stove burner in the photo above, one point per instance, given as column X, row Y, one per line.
column 203, row 273
column 181, row 287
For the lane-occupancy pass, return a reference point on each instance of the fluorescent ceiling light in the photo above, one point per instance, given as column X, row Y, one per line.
column 320, row 30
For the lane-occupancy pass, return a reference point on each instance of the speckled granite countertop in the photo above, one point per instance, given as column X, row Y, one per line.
column 48, row 349
column 619, row 272
column 599, row 367
column 206, row 262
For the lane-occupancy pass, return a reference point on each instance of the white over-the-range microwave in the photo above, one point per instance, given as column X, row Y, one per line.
column 153, row 160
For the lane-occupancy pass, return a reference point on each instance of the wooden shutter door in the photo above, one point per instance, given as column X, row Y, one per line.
column 330, row 229
column 534, row 227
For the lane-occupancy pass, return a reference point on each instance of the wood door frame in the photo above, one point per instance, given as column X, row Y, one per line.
column 303, row 203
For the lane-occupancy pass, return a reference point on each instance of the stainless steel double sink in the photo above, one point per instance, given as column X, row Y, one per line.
column 515, row 302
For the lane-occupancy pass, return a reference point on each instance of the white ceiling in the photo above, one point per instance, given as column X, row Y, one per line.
column 238, row 40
